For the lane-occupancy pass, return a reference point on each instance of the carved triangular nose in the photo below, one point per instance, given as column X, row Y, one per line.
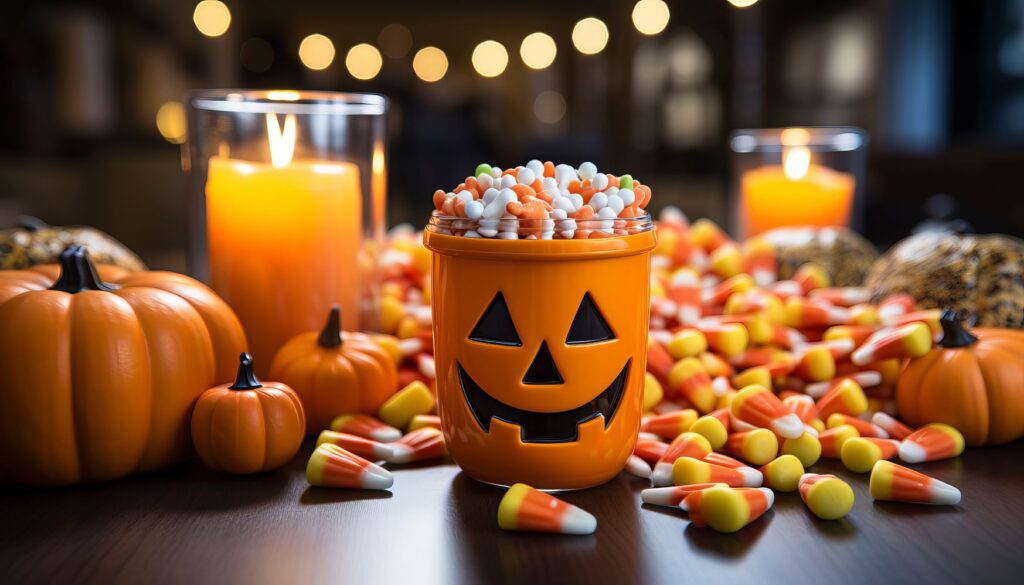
column 543, row 369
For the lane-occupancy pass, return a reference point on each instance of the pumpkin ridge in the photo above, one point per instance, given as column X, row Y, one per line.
column 990, row 384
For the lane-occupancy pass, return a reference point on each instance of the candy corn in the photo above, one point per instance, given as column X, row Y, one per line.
column 685, row 445
column 856, row 333
column 932, row 442
column 689, row 379
column 910, row 340
column 705, row 234
column 802, row 313
column 807, row 449
column 782, row 473
column 332, row 466
column 758, row 446
column 526, row 509
column 659, row 362
column 832, row 440
column 650, row 451
column 715, row 365
column 363, row 447
column 864, row 379
column 365, row 426
column 636, row 465
column 687, row 343
column 759, row 375
column 842, row 296
column 727, row 339
column 419, row 445
column 687, row 470
column 414, row 399
column 864, row 428
column 714, row 427
column 723, row 460
column 827, row 496
column 816, row 364
column 726, row 260
column 424, row 420
column 859, row 454
column 846, row 397
column 671, row 424
column 653, row 392
column 672, row 496
column 684, row 292
column 895, row 483
column 895, row 305
column 759, row 261
column 727, row 509
column 803, row 406
column 895, row 428
column 812, row 276
column 756, row 405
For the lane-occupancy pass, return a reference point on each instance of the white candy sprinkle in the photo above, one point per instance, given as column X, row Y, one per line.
column 490, row 194
column 588, row 170
column 474, row 209
column 508, row 225
column 606, row 213
column 547, row 235
column 508, row 236
column 600, row 182
column 598, row 201
column 627, row 196
column 485, row 180
column 548, row 184
column 495, row 171
column 615, row 203
column 563, row 204
column 537, row 167
column 611, row 191
column 471, row 234
column 525, row 176
column 564, row 174
column 464, row 195
column 577, row 200
column 567, row 224
column 559, row 213
column 507, row 181
column 496, row 208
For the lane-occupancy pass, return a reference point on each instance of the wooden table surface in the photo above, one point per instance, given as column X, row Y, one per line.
column 191, row 525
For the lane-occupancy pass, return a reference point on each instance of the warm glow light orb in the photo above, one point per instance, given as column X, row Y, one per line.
column 170, row 122
column 650, row 17
column 430, row 64
column 590, row 36
column 212, row 17
column 363, row 61
column 742, row 3
column 316, row 52
column 538, row 50
column 490, row 58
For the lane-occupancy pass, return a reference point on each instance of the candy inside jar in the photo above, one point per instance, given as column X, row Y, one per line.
column 542, row 201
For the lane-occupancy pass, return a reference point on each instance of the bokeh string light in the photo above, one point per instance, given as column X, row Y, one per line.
column 363, row 61
column 538, row 50
column 430, row 64
column 490, row 58
column 316, row 52
column 212, row 17
column 650, row 17
column 590, row 36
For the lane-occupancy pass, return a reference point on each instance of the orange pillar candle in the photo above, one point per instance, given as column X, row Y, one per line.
column 284, row 241
column 795, row 193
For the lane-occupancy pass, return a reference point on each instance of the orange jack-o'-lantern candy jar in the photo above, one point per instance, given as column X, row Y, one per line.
column 540, row 292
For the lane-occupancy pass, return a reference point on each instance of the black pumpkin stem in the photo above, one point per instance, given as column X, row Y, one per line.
column 78, row 273
column 330, row 335
column 954, row 334
column 246, row 379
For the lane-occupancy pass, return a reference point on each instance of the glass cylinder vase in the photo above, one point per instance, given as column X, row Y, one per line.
column 785, row 177
column 286, row 196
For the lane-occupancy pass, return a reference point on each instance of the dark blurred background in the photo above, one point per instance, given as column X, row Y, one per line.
column 938, row 85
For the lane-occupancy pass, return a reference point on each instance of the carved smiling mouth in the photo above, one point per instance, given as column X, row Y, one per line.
column 543, row 427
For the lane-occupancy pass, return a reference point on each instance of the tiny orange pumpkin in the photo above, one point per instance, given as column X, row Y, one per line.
column 336, row 373
column 972, row 380
column 248, row 426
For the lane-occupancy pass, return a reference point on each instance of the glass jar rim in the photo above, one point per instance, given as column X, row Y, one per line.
column 288, row 101
column 617, row 227
column 817, row 138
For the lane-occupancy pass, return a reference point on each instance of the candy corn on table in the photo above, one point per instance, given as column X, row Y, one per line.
column 435, row 525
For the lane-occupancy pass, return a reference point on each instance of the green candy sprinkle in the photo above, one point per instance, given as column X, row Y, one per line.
column 626, row 182
column 482, row 168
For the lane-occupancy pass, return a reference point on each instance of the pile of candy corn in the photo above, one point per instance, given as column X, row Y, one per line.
column 750, row 381
column 540, row 200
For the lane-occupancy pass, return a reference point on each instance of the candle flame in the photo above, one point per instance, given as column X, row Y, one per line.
column 795, row 162
column 281, row 141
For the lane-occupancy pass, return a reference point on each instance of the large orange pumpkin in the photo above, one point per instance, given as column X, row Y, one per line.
column 335, row 373
column 249, row 426
column 97, row 380
column 973, row 381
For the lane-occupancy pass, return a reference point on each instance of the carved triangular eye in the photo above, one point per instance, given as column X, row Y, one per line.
column 495, row 326
column 588, row 326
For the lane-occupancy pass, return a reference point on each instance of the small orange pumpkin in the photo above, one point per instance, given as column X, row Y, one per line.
column 98, row 377
column 249, row 426
column 973, row 381
column 335, row 373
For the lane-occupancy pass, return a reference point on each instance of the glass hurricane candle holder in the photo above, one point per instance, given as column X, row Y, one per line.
column 286, row 195
column 797, row 177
